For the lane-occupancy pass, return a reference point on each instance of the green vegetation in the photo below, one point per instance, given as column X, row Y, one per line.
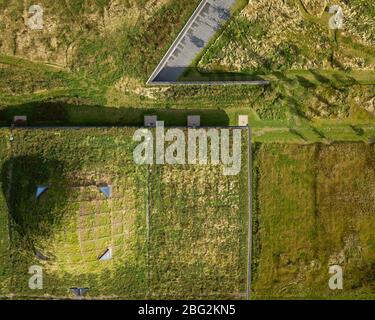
column 314, row 209
column 98, row 54
column 72, row 224
column 4, row 226
column 312, row 192
column 301, row 40
column 134, row 50
column 198, row 232
column 167, row 252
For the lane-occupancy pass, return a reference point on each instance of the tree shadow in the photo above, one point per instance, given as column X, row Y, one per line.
column 320, row 78
column 305, row 83
column 345, row 79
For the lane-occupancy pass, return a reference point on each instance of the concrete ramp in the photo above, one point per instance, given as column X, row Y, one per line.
column 208, row 18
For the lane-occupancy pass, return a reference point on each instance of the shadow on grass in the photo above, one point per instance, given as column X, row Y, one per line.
column 34, row 221
column 64, row 114
column 197, row 75
column 35, row 224
column 305, row 83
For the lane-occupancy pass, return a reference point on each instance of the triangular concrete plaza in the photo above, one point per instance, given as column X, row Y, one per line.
column 209, row 17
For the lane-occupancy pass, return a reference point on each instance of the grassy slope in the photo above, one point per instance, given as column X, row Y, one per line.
column 304, row 41
column 84, row 99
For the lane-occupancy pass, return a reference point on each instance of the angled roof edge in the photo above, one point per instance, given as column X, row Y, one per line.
column 183, row 32
column 162, row 64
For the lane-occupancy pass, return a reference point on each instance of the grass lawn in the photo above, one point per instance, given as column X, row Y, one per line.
column 72, row 224
column 314, row 208
column 197, row 246
column 198, row 232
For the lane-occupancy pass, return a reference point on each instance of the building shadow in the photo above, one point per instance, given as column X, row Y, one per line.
column 60, row 113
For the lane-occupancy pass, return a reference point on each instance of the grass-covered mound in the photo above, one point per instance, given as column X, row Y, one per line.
column 72, row 223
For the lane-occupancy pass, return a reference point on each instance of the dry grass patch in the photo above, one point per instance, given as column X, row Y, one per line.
column 195, row 234
column 293, row 35
column 198, row 232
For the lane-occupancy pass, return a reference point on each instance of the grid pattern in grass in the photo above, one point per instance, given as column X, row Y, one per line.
column 99, row 224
